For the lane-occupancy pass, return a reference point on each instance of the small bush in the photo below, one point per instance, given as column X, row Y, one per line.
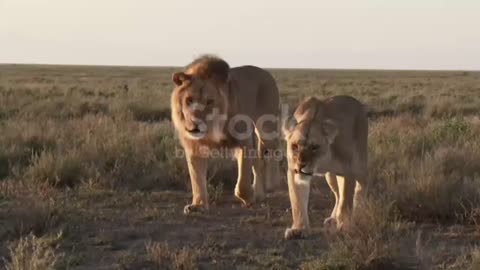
column 452, row 131
column 20, row 142
column 475, row 259
column 56, row 170
column 33, row 253
column 32, row 215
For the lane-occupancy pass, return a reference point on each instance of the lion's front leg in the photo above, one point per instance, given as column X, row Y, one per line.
column 243, row 189
column 197, row 167
column 298, row 192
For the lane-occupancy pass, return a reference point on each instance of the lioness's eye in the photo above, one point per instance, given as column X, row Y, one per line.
column 315, row 148
column 189, row 101
column 209, row 102
column 294, row 147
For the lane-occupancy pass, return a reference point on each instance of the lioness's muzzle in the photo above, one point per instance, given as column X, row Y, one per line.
column 301, row 170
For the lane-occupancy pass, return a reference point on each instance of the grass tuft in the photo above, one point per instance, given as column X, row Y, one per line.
column 34, row 253
column 166, row 257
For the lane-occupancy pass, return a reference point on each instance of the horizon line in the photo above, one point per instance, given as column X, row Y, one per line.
column 265, row 67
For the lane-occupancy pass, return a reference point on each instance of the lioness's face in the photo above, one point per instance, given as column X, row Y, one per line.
column 309, row 146
column 202, row 107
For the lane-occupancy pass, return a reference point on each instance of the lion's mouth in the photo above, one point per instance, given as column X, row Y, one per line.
column 195, row 133
column 193, row 130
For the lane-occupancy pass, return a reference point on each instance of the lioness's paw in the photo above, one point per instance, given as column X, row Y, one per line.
column 330, row 224
column 192, row 208
column 291, row 234
column 334, row 225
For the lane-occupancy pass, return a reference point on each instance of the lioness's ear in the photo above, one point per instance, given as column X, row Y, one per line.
column 289, row 124
column 330, row 130
column 179, row 77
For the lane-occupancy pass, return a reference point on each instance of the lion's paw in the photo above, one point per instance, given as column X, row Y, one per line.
column 247, row 197
column 292, row 234
column 192, row 208
column 259, row 197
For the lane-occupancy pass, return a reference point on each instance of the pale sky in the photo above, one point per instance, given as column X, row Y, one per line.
column 380, row 34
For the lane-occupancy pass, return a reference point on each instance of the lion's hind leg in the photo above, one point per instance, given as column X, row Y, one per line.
column 259, row 176
column 272, row 169
column 357, row 194
column 243, row 188
column 267, row 146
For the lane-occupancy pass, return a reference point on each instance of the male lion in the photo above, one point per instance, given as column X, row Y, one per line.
column 325, row 138
column 215, row 107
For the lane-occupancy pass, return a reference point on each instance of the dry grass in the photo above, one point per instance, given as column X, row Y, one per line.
column 33, row 253
column 374, row 240
column 166, row 257
column 91, row 150
column 430, row 170
column 98, row 150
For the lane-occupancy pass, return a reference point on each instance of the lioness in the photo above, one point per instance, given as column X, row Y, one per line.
column 325, row 138
column 215, row 107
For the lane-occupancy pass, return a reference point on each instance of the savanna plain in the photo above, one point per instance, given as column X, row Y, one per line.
column 90, row 179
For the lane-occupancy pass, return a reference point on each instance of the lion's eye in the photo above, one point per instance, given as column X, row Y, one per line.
column 209, row 102
column 189, row 101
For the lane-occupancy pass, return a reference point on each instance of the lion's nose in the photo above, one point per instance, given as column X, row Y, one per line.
column 196, row 125
column 193, row 127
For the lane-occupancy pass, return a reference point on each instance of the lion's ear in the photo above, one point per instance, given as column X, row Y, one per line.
column 289, row 124
column 179, row 77
column 219, row 71
column 330, row 130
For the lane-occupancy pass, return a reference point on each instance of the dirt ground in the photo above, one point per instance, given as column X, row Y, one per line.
column 112, row 230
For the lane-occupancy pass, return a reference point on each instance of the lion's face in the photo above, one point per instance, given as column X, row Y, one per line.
column 309, row 146
column 201, row 106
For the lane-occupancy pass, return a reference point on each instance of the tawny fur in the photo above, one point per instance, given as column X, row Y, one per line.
column 329, row 138
column 248, row 91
